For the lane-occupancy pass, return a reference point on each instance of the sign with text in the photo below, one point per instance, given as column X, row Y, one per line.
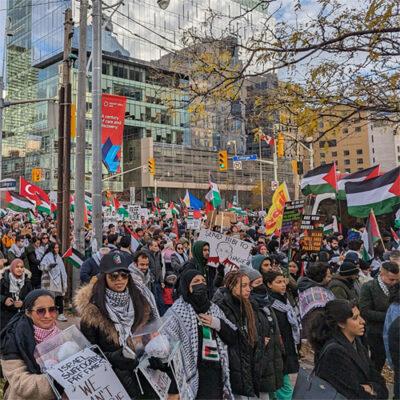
column 112, row 129
column 134, row 212
column 86, row 375
column 291, row 216
column 310, row 222
column 248, row 157
column 226, row 250
column 110, row 217
column 178, row 369
column 313, row 241
column 193, row 224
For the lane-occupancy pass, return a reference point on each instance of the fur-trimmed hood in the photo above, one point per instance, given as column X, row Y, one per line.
column 91, row 315
column 27, row 273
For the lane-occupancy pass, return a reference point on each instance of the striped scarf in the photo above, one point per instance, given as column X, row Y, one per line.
column 42, row 335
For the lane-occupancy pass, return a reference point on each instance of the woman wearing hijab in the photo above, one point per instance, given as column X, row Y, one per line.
column 204, row 333
column 245, row 355
column 111, row 310
column 178, row 258
column 54, row 276
column 36, row 324
column 15, row 284
column 166, row 254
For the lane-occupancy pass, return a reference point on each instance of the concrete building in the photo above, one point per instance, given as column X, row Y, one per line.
column 384, row 145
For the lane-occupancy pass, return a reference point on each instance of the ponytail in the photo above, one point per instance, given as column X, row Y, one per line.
column 323, row 323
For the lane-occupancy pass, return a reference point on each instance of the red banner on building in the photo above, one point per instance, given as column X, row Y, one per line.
column 112, row 130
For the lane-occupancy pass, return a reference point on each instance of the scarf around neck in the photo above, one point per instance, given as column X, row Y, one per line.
column 383, row 286
column 16, row 284
column 182, row 257
column 42, row 335
column 281, row 303
column 121, row 312
column 17, row 251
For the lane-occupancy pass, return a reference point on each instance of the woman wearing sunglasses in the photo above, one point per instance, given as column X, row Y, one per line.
column 113, row 308
column 178, row 258
column 36, row 324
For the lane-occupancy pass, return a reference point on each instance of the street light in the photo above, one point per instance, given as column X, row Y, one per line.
column 235, row 147
column 163, row 4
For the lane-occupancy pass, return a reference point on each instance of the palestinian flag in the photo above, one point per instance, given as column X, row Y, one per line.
column 176, row 228
column 234, row 208
column 18, row 203
column 88, row 202
column 135, row 241
column 71, row 203
column 42, row 205
column 213, row 196
column 331, row 226
column 358, row 176
column 320, row 180
column 379, row 194
column 370, row 236
column 395, row 237
column 174, row 210
column 120, row 209
column 3, row 213
column 74, row 257
column 156, row 211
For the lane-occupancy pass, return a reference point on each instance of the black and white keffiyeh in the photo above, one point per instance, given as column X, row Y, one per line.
column 18, row 251
column 182, row 327
column 383, row 286
column 16, row 285
column 291, row 316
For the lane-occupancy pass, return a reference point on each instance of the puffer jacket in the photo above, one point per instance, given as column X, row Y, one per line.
column 244, row 360
column 100, row 330
column 6, row 312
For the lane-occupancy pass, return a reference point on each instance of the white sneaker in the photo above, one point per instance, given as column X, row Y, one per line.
column 62, row 318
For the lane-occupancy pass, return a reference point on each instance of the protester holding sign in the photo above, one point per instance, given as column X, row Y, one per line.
column 204, row 333
column 37, row 323
column 111, row 310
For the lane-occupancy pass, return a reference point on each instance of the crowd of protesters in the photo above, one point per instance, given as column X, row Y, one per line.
column 255, row 319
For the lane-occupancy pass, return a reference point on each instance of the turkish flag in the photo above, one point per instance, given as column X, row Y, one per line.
column 32, row 191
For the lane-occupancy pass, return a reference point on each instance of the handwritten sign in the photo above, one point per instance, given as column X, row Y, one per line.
column 87, row 376
column 313, row 241
column 226, row 250
column 134, row 212
column 310, row 221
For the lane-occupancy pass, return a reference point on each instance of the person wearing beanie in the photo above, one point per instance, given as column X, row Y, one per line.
column 342, row 283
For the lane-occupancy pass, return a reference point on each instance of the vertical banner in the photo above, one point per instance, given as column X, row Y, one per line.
column 112, row 129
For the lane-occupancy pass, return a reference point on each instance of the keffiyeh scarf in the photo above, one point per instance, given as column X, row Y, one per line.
column 42, row 335
column 17, row 250
column 122, row 313
column 383, row 286
column 291, row 316
column 16, row 285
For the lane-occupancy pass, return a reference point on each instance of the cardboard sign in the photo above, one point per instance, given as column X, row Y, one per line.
column 313, row 241
column 86, row 375
column 310, row 222
column 292, row 216
column 226, row 250
column 225, row 219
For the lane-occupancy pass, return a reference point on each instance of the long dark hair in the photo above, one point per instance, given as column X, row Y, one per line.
column 324, row 322
column 50, row 249
column 247, row 317
column 140, row 303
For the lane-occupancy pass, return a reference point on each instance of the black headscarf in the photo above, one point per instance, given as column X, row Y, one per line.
column 17, row 339
column 198, row 300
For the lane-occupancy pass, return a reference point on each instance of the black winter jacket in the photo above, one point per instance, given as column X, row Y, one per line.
column 244, row 360
column 346, row 369
column 7, row 312
column 34, row 265
column 155, row 264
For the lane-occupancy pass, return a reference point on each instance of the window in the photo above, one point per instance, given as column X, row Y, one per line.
column 373, row 160
column 372, row 138
column 346, row 162
column 331, row 143
column 345, row 130
column 360, row 161
column 334, row 153
column 398, row 149
column 359, row 151
column 373, row 151
column 323, row 162
column 131, row 154
column 347, row 170
column 358, row 129
column 398, row 158
column 322, row 155
column 346, row 152
column 360, row 169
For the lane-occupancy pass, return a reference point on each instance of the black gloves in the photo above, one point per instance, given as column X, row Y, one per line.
column 156, row 363
column 118, row 360
column 52, row 265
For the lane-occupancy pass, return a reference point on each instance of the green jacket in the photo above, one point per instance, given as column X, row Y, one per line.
column 340, row 288
column 373, row 306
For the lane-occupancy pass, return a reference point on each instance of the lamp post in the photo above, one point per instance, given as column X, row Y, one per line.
column 8, row 32
column 235, row 147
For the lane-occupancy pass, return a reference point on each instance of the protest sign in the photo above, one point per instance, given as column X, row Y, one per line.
column 134, row 212
column 310, row 222
column 292, row 216
column 110, row 217
column 225, row 219
column 193, row 224
column 178, row 370
column 159, row 381
column 144, row 212
column 86, row 375
column 226, row 250
column 313, row 240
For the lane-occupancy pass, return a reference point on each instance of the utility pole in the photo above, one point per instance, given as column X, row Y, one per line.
column 79, row 212
column 96, row 125
column 261, row 177
column 275, row 159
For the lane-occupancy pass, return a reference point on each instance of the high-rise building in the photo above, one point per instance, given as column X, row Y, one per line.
column 138, row 36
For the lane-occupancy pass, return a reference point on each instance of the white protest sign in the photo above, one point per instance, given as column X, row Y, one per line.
column 134, row 212
column 144, row 212
column 185, row 391
column 110, row 217
column 193, row 224
column 86, row 376
column 159, row 381
column 226, row 250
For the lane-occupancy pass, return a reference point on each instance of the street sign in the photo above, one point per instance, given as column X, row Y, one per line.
column 7, row 184
column 274, row 185
column 237, row 165
column 245, row 157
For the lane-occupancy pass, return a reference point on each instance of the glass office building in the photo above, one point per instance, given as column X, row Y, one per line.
column 142, row 35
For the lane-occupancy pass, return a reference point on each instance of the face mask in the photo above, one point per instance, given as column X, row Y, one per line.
column 199, row 298
column 261, row 289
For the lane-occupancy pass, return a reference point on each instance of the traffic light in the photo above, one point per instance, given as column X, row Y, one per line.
column 151, row 166
column 297, row 167
column 281, row 146
column 36, row 174
column 223, row 160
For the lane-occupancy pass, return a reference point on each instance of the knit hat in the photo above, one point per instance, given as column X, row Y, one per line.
column 252, row 273
column 172, row 235
column 348, row 268
column 183, row 240
column 352, row 257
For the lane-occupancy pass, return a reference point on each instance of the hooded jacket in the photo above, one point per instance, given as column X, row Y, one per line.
column 7, row 312
column 341, row 288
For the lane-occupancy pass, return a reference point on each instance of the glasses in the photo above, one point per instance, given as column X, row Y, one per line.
column 41, row 312
column 179, row 248
column 115, row 275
